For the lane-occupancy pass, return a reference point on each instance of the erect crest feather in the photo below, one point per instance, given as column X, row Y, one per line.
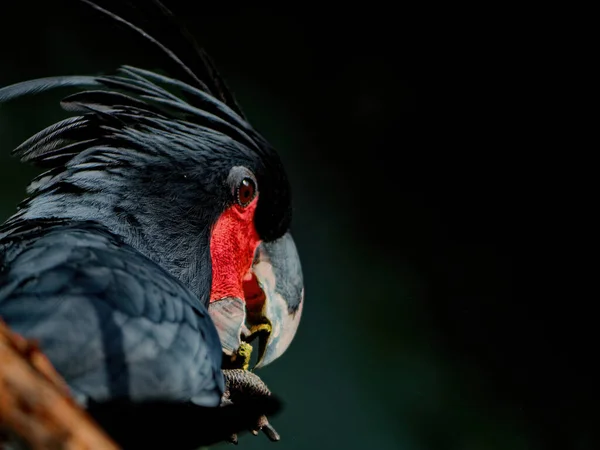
column 190, row 61
column 130, row 98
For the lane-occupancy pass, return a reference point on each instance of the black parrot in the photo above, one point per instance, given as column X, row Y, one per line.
column 154, row 249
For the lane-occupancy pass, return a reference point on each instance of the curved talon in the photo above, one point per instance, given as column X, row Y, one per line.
column 271, row 433
column 267, row 429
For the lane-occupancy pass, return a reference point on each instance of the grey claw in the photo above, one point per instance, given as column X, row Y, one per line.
column 271, row 433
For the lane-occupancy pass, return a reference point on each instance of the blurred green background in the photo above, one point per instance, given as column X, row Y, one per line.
column 414, row 335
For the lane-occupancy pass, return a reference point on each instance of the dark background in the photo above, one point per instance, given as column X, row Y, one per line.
column 422, row 222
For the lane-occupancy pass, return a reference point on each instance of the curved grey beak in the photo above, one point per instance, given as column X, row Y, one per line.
column 272, row 308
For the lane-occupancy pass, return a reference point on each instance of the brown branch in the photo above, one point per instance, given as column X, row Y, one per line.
column 35, row 403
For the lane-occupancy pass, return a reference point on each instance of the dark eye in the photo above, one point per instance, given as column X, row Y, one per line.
column 246, row 191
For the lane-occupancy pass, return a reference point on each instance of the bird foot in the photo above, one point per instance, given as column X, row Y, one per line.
column 240, row 384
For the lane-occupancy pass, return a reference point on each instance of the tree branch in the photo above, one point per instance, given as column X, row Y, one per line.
column 35, row 403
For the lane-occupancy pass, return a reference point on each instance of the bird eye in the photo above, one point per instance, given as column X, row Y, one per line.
column 246, row 191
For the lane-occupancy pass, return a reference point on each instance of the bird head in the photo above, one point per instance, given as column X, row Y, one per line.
column 173, row 167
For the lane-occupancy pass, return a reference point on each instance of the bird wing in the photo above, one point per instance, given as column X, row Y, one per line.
column 112, row 322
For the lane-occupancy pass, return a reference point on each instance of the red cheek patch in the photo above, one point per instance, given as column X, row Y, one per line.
column 233, row 242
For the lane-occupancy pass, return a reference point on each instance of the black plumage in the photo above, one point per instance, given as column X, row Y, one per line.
column 136, row 331
column 107, row 262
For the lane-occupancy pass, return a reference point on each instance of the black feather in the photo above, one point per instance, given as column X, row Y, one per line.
column 49, row 138
column 61, row 155
column 203, row 100
column 206, row 66
column 148, row 37
column 212, row 121
column 133, row 86
column 108, row 100
column 145, row 83
column 162, row 29
column 40, row 85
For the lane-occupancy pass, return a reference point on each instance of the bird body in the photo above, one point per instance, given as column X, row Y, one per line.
column 161, row 208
